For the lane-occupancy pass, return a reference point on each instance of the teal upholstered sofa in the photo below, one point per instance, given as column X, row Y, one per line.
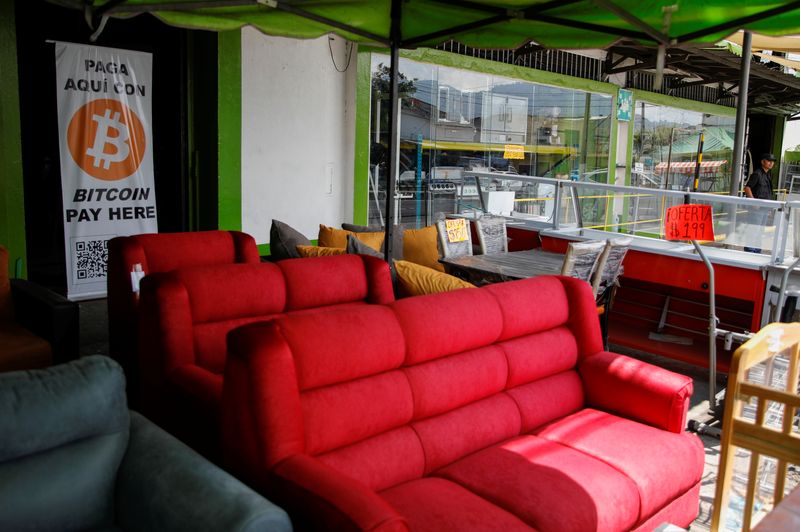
column 73, row 457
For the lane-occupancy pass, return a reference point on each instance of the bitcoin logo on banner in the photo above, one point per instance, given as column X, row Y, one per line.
column 106, row 139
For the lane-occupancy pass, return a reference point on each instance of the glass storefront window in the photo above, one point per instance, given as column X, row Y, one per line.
column 454, row 120
column 666, row 143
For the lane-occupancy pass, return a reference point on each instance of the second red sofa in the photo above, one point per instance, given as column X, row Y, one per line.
column 185, row 316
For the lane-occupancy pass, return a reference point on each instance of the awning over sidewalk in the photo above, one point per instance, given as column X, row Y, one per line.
column 687, row 167
column 480, row 24
column 508, row 24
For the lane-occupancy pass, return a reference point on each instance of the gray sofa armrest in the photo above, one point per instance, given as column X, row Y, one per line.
column 164, row 485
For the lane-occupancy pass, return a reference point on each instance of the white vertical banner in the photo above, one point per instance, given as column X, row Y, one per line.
column 106, row 144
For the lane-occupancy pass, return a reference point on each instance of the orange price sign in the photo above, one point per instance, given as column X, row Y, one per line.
column 513, row 151
column 456, row 230
column 689, row 222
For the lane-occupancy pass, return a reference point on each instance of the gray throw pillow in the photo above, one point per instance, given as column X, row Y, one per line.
column 397, row 236
column 283, row 241
column 356, row 246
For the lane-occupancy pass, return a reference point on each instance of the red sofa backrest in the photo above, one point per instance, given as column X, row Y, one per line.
column 335, row 280
column 187, row 313
column 388, row 394
column 160, row 252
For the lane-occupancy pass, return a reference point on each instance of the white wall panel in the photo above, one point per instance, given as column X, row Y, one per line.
column 297, row 129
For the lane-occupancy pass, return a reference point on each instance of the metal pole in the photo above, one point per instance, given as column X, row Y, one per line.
column 712, row 332
column 698, row 163
column 741, row 114
column 669, row 158
column 394, row 137
column 587, row 111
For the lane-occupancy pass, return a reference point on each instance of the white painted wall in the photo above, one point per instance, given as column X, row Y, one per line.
column 298, row 119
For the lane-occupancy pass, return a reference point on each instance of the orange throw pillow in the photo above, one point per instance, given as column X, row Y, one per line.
column 319, row 251
column 331, row 237
column 416, row 280
column 421, row 246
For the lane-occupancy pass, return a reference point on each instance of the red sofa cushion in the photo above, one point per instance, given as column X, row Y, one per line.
column 643, row 453
column 231, row 291
column 538, row 355
column 342, row 346
column 549, row 486
column 334, row 280
column 464, row 319
column 429, row 504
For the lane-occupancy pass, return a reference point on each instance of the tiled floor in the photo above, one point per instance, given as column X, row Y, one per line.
column 94, row 340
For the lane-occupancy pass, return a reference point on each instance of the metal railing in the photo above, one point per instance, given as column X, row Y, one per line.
column 741, row 224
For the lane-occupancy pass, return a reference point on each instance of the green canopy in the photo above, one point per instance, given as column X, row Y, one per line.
column 484, row 24
column 480, row 24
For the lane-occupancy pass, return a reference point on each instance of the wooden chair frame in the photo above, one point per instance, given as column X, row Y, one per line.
column 774, row 346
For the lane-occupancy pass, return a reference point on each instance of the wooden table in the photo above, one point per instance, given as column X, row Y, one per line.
column 498, row 267
column 785, row 516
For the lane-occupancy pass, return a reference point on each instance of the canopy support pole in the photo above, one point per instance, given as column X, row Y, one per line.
column 394, row 130
column 741, row 114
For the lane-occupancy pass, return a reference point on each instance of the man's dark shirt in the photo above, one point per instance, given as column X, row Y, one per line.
column 760, row 184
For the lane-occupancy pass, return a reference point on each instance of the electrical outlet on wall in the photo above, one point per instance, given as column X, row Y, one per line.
column 328, row 186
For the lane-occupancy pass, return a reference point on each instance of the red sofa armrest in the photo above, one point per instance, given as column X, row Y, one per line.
column 636, row 390
column 319, row 497
column 201, row 386
column 379, row 281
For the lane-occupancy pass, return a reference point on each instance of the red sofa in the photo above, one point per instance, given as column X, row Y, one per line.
column 185, row 315
column 489, row 408
column 160, row 252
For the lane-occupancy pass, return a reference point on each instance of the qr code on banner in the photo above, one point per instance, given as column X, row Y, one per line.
column 91, row 257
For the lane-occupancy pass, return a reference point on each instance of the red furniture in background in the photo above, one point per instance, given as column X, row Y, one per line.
column 185, row 316
column 489, row 408
column 160, row 252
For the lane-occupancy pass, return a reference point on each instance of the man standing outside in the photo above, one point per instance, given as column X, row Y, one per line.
column 759, row 186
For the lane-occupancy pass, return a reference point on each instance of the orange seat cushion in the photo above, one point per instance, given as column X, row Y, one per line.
column 21, row 349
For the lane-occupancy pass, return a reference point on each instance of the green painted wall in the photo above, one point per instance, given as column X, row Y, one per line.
column 362, row 143
column 229, row 112
column 12, row 197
